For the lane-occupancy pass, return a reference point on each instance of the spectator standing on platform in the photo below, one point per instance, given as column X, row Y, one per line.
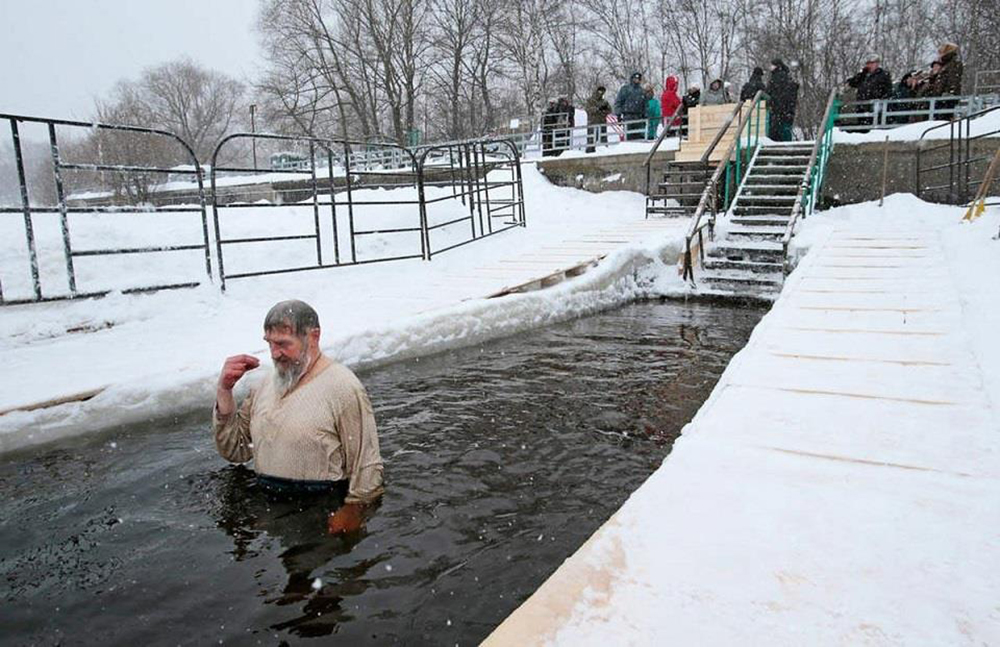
column 653, row 113
column 690, row 100
column 948, row 80
column 904, row 89
column 872, row 83
column 550, row 120
column 598, row 109
column 783, row 96
column 716, row 94
column 754, row 85
column 630, row 105
column 670, row 103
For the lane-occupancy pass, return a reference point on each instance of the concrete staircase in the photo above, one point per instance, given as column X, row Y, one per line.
column 679, row 190
column 747, row 256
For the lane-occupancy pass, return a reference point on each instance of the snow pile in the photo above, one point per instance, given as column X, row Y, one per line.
column 988, row 123
column 159, row 354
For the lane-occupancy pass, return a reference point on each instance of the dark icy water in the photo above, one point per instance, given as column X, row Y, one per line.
column 500, row 461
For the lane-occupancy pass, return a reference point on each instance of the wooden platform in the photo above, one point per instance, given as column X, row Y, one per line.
column 841, row 485
column 704, row 122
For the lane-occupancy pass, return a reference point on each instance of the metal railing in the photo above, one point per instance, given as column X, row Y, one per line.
column 668, row 128
column 130, row 180
column 986, row 82
column 414, row 203
column 812, row 181
column 961, row 177
column 537, row 143
column 486, row 179
column 892, row 113
column 734, row 164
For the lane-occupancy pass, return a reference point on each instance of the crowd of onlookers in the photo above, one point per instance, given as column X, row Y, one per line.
column 637, row 112
column 942, row 78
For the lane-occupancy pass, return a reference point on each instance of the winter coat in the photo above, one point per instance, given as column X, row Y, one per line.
column 670, row 103
column 948, row 80
column 715, row 97
column 691, row 99
column 753, row 86
column 653, row 114
column 872, row 85
column 566, row 108
column 631, row 101
column 597, row 108
column 783, row 94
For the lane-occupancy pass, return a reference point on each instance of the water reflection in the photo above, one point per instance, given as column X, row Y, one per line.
column 297, row 528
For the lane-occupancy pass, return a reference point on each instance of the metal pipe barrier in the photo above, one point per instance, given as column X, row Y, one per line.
column 736, row 160
column 337, row 171
column 892, row 113
column 558, row 139
column 489, row 173
column 130, row 180
column 961, row 178
column 812, row 182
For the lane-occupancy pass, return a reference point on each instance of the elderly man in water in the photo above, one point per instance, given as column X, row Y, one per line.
column 309, row 427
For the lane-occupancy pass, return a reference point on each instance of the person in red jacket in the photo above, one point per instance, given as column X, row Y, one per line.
column 670, row 103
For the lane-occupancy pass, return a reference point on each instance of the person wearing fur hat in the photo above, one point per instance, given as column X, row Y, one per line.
column 948, row 79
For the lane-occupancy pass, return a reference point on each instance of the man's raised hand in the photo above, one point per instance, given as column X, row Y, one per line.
column 234, row 368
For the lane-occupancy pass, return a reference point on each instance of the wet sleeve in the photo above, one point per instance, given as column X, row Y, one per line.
column 359, row 440
column 232, row 432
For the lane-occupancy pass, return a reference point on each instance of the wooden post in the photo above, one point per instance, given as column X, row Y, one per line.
column 885, row 169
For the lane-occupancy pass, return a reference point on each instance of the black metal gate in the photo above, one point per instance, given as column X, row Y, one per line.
column 112, row 159
column 951, row 172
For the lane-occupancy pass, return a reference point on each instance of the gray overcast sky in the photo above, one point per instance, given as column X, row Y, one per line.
column 57, row 56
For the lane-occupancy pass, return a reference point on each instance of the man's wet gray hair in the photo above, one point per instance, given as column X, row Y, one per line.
column 298, row 316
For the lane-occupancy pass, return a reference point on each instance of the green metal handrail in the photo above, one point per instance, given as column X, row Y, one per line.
column 734, row 164
column 812, row 180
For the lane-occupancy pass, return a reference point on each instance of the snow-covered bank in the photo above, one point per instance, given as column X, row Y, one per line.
column 912, row 132
column 841, row 485
column 159, row 354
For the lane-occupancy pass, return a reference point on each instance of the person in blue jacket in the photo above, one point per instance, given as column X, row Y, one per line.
column 630, row 105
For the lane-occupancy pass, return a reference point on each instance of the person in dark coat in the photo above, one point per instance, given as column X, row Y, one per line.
column 783, row 96
column 872, row 83
column 754, row 85
column 947, row 81
column 563, row 134
column 904, row 89
column 690, row 100
column 552, row 119
column 630, row 105
column 598, row 109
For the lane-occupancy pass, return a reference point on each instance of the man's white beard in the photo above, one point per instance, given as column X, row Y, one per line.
column 286, row 376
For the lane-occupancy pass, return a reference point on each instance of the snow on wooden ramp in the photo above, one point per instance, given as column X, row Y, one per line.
column 840, row 486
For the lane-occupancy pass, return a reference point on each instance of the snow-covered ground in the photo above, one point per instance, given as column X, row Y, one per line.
column 841, row 485
column 158, row 354
column 911, row 132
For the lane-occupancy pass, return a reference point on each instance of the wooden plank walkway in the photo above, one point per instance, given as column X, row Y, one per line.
column 840, row 486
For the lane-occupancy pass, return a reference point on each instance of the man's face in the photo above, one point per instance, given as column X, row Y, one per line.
column 291, row 355
column 637, row 79
column 871, row 66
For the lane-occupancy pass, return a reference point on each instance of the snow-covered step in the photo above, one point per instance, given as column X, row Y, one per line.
column 748, row 250
column 757, row 232
column 742, row 282
column 764, row 220
column 754, row 267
